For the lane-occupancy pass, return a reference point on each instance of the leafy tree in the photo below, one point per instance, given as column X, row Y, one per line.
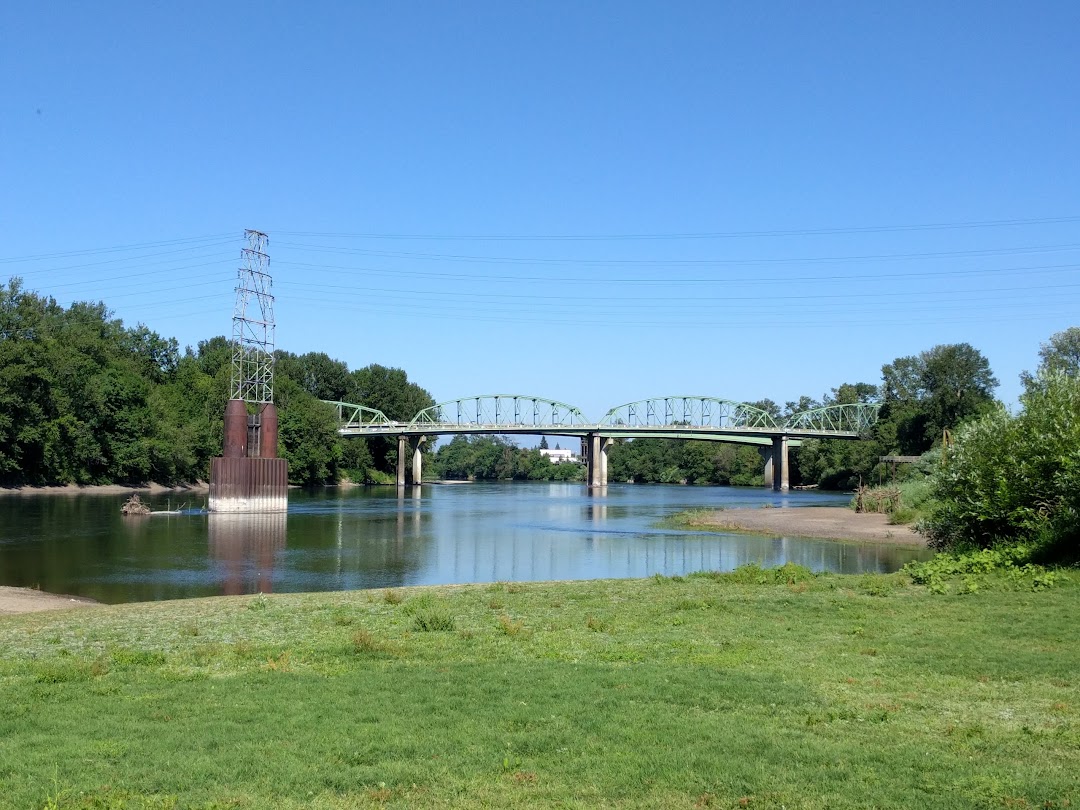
column 315, row 372
column 959, row 385
column 495, row 458
column 307, row 432
column 1016, row 479
column 387, row 390
column 1060, row 353
column 936, row 390
column 543, row 443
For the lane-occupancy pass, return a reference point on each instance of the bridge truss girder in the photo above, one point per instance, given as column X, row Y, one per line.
column 352, row 416
column 494, row 411
column 688, row 411
column 674, row 417
column 855, row 418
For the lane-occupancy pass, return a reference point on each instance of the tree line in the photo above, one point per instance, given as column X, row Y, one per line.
column 86, row 400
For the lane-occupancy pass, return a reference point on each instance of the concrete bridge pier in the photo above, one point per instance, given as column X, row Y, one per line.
column 779, row 463
column 596, row 446
column 408, row 452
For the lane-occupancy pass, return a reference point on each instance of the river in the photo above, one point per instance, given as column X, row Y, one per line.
column 347, row 538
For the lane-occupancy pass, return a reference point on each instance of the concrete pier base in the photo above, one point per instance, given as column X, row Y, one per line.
column 249, row 485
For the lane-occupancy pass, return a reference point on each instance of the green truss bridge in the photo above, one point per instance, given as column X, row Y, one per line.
column 668, row 417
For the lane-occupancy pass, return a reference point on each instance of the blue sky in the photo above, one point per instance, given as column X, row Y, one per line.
column 593, row 202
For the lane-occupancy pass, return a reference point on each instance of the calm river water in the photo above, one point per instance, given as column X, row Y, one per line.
column 339, row 539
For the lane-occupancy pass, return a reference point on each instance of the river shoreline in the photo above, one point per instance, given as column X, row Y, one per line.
column 199, row 487
column 820, row 522
column 28, row 600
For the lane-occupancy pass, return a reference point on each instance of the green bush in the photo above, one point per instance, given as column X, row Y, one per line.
column 1015, row 479
column 970, row 570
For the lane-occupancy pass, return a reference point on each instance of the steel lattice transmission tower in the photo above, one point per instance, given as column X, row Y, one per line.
column 253, row 324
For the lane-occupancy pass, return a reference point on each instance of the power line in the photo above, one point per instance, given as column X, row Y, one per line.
column 486, row 277
column 979, row 253
column 932, row 226
column 114, row 249
column 125, row 259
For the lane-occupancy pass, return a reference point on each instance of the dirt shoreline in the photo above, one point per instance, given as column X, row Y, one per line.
column 28, row 600
column 821, row 522
column 105, row 489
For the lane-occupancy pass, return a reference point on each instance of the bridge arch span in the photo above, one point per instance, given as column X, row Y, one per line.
column 854, row 418
column 358, row 417
column 688, row 411
column 494, row 411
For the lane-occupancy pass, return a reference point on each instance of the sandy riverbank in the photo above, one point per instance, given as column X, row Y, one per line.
column 27, row 600
column 824, row 522
column 199, row 487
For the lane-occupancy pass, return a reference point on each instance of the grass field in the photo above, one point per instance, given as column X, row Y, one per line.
column 754, row 689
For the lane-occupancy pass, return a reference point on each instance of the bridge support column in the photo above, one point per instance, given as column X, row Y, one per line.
column 408, row 454
column 402, row 454
column 780, row 463
column 596, row 461
column 418, row 462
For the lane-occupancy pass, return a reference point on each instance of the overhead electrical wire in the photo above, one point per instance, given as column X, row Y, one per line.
column 486, row 277
column 934, row 226
column 216, row 238
column 881, row 257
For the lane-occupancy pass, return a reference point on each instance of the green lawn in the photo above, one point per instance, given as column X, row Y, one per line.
column 708, row 691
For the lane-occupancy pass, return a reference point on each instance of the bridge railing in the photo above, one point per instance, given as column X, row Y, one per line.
column 689, row 411
column 857, row 417
column 501, row 410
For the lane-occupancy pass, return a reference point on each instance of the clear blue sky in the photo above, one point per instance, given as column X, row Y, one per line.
column 741, row 176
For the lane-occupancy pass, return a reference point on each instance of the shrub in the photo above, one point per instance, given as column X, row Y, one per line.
column 433, row 620
column 1015, row 479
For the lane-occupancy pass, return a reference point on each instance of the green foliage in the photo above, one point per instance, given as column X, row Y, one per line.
column 433, row 620
column 493, row 458
column 920, row 395
column 308, row 434
column 1015, row 479
column 753, row 574
column 85, row 400
column 972, row 570
column 1059, row 354
column 670, row 461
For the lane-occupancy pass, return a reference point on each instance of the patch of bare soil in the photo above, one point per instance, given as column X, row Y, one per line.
column 27, row 600
column 825, row 522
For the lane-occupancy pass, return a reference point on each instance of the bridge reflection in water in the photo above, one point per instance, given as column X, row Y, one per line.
column 244, row 547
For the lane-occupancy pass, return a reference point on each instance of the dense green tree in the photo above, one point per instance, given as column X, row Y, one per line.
column 307, row 434
column 934, row 391
column 672, row 461
column 494, row 458
column 84, row 399
column 315, row 372
column 387, row 390
column 1059, row 354
column 1016, row 479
